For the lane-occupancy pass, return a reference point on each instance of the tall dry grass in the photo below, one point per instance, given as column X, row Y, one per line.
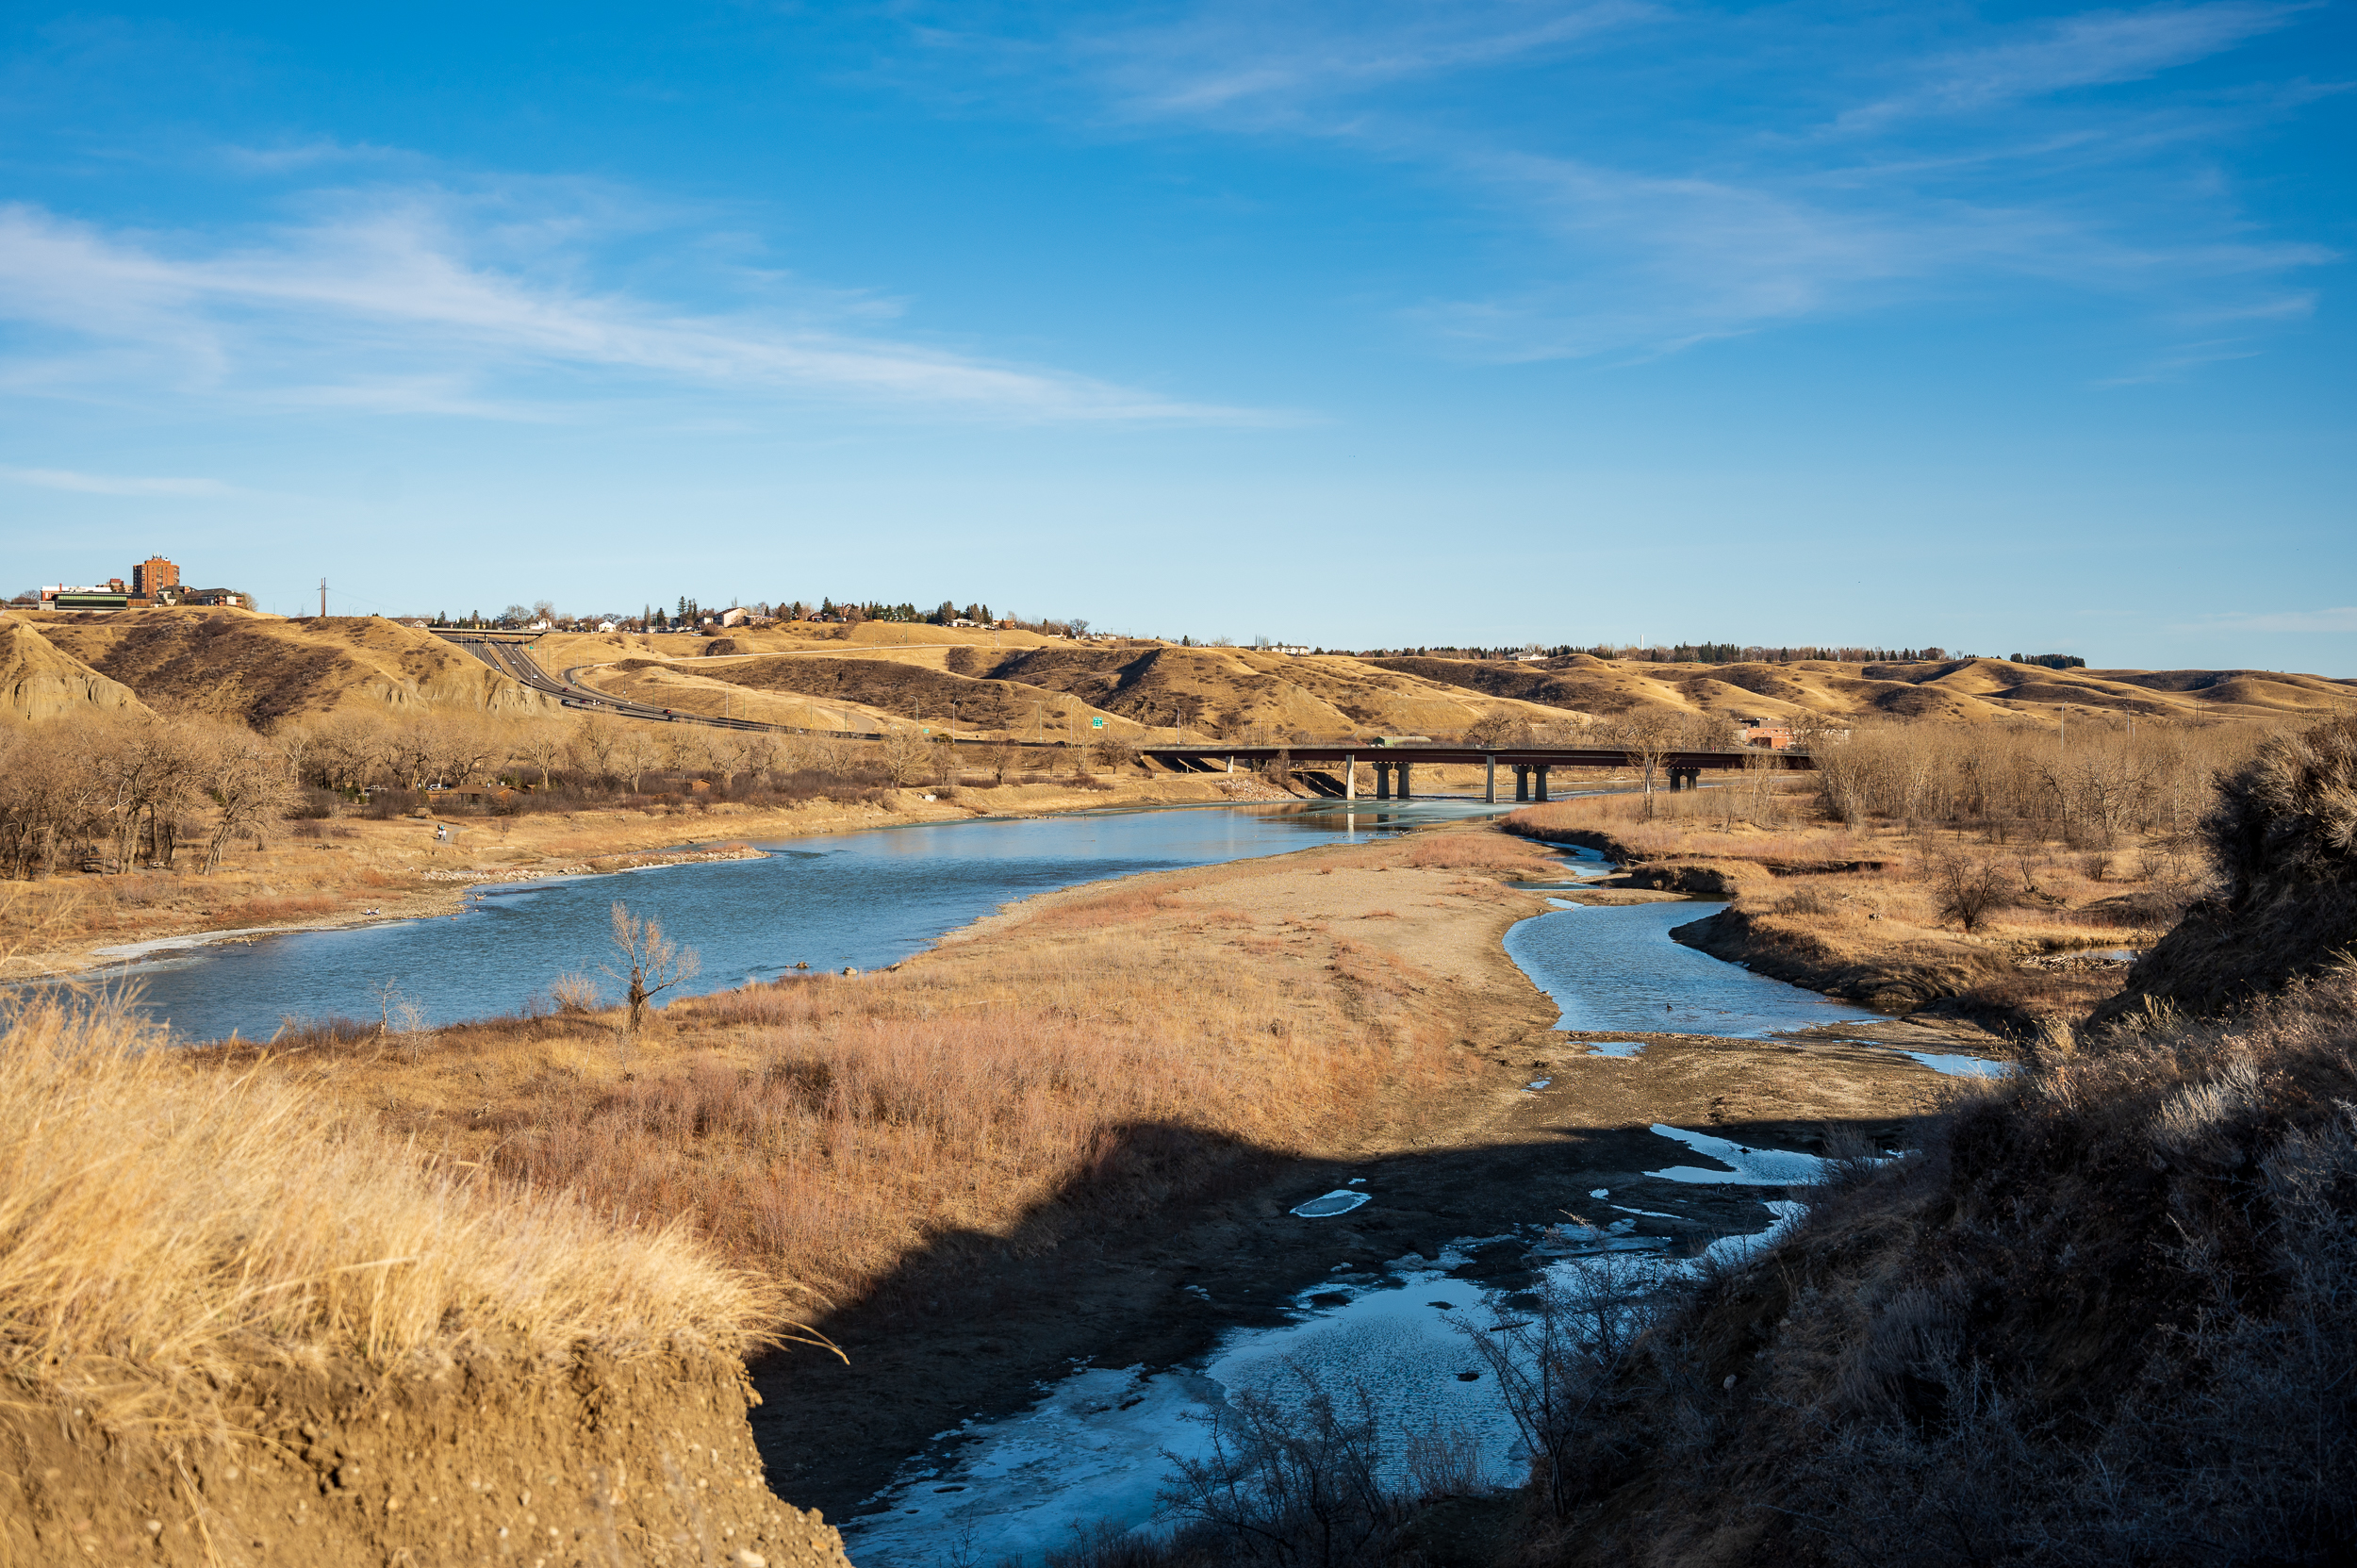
column 1113, row 1055
column 165, row 1230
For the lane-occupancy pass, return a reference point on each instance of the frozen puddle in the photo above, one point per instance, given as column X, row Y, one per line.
column 1961, row 1066
column 1623, row 1049
column 1342, row 1200
column 1754, row 1168
column 1097, row 1446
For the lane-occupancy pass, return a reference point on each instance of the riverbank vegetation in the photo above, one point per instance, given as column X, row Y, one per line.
column 167, row 1228
column 1987, row 872
column 131, row 826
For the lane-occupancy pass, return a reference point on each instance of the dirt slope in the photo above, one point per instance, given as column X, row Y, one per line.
column 262, row 668
column 489, row 1460
column 39, row 680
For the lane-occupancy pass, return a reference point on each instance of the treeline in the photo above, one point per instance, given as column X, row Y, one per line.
column 688, row 611
column 1703, row 653
column 121, row 791
column 2089, row 791
column 115, row 793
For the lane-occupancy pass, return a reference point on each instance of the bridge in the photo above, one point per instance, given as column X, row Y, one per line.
column 1530, row 765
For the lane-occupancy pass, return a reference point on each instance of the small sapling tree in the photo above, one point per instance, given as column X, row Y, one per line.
column 647, row 963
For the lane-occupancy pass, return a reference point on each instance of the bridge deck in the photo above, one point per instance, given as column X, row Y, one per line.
column 1519, row 756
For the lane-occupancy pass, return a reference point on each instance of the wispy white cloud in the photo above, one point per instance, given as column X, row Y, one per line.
column 2340, row 618
column 2093, row 49
column 105, row 483
column 295, row 156
column 1257, row 61
column 418, row 299
column 1686, row 191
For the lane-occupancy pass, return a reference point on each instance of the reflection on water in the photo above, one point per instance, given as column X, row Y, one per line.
column 1616, row 970
column 862, row 899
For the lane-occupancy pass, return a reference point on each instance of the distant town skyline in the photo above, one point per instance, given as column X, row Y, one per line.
column 1500, row 321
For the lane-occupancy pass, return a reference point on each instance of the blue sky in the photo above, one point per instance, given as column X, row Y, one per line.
column 2007, row 329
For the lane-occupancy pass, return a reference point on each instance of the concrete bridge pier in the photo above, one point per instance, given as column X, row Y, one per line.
column 1522, row 782
column 1350, row 777
column 1382, row 781
column 1490, row 781
column 1403, row 782
column 1541, row 769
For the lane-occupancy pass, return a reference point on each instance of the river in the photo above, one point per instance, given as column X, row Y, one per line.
column 861, row 900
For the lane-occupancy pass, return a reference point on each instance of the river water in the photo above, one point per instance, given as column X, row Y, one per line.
column 860, row 900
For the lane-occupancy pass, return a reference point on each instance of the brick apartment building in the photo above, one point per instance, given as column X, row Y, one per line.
column 154, row 581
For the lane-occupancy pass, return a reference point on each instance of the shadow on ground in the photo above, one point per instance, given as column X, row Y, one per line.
column 973, row 1324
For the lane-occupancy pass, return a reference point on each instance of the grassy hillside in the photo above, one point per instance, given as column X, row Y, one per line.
column 984, row 681
column 1969, row 690
column 264, row 668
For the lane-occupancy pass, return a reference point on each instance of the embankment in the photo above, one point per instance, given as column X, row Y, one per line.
column 241, row 1325
column 481, row 1458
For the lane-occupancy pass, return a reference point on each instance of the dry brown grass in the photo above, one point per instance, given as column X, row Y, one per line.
column 1112, row 1053
column 164, row 1229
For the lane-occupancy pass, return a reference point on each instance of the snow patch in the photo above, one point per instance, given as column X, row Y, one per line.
column 1754, row 1168
column 1961, row 1066
column 1342, row 1200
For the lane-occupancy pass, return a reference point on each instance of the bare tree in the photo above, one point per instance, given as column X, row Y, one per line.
column 1969, row 889
column 593, row 746
column 1648, row 736
column 633, row 752
column 646, row 962
column 542, row 744
column 902, row 753
column 247, row 783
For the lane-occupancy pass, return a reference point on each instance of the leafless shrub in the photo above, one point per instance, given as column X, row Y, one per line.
column 1290, row 1483
column 1968, row 888
column 574, row 991
column 1559, row 1365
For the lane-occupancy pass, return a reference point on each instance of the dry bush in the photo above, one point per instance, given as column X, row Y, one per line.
column 1466, row 851
column 163, row 1229
column 2101, row 1317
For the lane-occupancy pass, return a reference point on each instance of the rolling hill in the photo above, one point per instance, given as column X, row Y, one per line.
column 975, row 682
column 263, row 669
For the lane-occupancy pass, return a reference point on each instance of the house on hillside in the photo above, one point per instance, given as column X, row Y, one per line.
column 1779, row 737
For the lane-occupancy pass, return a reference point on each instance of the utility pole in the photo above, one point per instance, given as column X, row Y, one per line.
column 323, row 598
